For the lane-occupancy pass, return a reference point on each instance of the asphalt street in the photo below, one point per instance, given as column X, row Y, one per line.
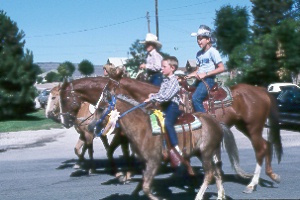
column 40, row 165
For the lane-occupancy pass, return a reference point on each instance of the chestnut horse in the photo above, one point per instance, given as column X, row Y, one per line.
column 83, row 118
column 252, row 107
column 205, row 144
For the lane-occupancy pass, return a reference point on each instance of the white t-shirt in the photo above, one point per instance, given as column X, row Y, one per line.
column 208, row 60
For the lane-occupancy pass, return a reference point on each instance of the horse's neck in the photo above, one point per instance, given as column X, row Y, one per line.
column 90, row 94
column 138, row 90
column 136, row 125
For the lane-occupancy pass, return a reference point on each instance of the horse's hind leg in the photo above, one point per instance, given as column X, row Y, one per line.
column 208, row 176
column 218, row 176
column 275, row 177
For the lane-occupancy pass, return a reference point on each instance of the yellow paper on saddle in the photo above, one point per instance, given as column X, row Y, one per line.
column 160, row 118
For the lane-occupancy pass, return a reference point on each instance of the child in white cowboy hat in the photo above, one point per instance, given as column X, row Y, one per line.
column 209, row 64
column 153, row 60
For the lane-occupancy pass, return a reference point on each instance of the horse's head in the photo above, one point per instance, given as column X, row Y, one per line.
column 70, row 103
column 52, row 109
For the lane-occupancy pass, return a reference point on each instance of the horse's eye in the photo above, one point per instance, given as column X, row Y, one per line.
column 53, row 98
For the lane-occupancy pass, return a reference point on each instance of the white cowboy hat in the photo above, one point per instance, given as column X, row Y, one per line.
column 151, row 38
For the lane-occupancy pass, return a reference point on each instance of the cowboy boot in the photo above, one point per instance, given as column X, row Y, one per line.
column 175, row 158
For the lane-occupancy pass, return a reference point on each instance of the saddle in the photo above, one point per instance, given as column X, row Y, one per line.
column 186, row 122
column 218, row 97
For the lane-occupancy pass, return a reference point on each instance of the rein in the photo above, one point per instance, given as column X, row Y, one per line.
column 132, row 109
column 111, row 107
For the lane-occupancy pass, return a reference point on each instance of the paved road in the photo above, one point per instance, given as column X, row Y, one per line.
column 39, row 165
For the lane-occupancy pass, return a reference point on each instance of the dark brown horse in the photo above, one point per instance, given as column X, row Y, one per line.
column 205, row 144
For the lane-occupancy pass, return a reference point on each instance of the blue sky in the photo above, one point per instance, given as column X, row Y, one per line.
column 73, row 30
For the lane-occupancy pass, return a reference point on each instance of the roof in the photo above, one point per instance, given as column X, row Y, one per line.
column 117, row 61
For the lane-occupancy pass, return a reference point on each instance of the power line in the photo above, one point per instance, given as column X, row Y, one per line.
column 85, row 30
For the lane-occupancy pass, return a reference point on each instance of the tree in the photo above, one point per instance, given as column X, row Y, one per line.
column 139, row 54
column 66, row 69
column 86, row 67
column 254, row 63
column 17, row 71
column 232, row 28
column 268, row 14
column 288, row 36
column 52, row 77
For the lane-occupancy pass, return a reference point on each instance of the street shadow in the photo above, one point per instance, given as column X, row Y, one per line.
column 290, row 127
column 176, row 178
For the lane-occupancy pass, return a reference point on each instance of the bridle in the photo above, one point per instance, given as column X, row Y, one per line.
column 71, row 94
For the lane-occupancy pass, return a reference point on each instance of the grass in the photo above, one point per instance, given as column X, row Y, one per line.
column 33, row 121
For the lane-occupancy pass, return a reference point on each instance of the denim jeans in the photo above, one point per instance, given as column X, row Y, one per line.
column 156, row 79
column 171, row 111
column 201, row 93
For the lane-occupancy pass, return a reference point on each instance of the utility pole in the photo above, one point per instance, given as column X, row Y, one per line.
column 148, row 21
column 156, row 16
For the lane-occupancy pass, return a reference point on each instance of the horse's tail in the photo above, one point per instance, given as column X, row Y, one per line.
column 274, row 128
column 232, row 150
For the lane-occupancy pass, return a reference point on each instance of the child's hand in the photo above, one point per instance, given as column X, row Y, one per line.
column 147, row 100
column 189, row 76
column 143, row 66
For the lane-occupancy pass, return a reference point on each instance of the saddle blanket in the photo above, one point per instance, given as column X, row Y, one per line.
column 156, row 129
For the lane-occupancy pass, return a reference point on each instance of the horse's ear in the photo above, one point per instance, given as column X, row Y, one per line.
column 64, row 83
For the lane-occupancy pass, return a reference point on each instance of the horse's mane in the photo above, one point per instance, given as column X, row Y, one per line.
column 130, row 101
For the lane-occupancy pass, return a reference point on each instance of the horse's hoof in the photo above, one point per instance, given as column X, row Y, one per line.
column 249, row 189
column 126, row 182
column 276, row 178
column 76, row 166
column 120, row 177
column 92, row 171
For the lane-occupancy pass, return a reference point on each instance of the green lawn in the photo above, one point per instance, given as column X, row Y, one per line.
column 33, row 121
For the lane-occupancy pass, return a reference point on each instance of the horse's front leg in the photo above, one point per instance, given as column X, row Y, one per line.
column 260, row 147
column 105, row 142
column 148, row 176
column 89, row 145
column 77, row 148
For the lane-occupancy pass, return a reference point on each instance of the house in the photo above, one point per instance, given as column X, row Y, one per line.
column 117, row 61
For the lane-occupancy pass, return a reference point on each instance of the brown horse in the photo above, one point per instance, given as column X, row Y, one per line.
column 83, row 118
column 252, row 107
column 205, row 144
column 74, row 92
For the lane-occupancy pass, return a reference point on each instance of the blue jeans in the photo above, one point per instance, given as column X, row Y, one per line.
column 171, row 111
column 156, row 79
column 201, row 93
